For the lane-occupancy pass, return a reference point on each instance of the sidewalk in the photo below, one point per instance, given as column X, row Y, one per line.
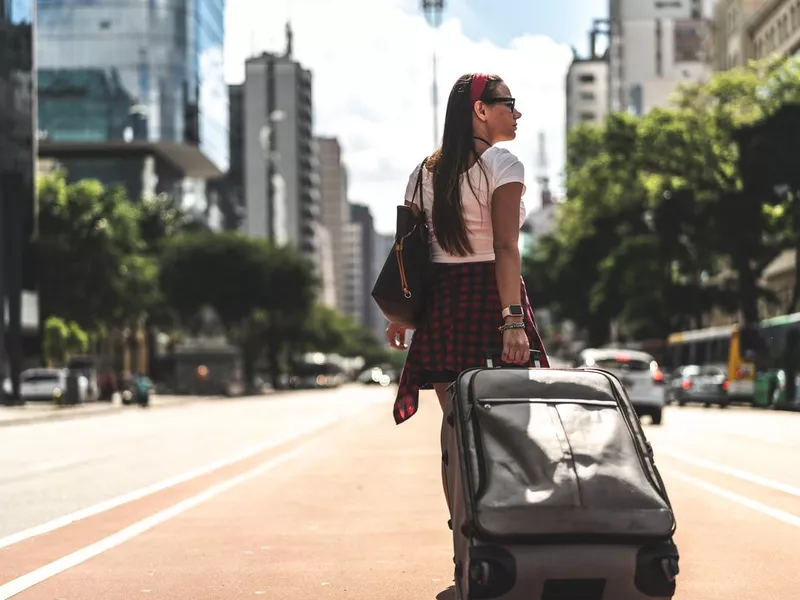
column 34, row 412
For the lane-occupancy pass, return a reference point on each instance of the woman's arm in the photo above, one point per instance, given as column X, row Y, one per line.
column 505, row 226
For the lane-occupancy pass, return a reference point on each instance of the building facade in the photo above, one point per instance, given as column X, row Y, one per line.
column 730, row 44
column 334, row 208
column 382, row 246
column 587, row 82
column 281, row 179
column 353, row 297
column 134, row 93
column 360, row 214
column 774, row 28
column 654, row 46
column 19, row 318
column 326, row 267
column 587, row 90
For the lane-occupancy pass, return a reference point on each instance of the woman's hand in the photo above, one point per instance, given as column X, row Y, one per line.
column 516, row 347
column 396, row 334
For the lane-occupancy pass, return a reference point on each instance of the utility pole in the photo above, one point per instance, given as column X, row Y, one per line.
column 433, row 15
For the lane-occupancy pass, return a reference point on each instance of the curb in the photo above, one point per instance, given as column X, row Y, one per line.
column 67, row 413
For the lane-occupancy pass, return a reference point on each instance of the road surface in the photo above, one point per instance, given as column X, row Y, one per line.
column 319, row 495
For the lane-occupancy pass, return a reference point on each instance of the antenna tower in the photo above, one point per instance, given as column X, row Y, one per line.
column 542, row 177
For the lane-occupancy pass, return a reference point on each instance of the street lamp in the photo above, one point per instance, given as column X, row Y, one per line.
column 433, row 15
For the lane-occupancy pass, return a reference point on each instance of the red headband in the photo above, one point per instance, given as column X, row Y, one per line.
column 477, row 86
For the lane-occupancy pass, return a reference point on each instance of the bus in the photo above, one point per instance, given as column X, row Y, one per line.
column 726, row 344
column 778, row 366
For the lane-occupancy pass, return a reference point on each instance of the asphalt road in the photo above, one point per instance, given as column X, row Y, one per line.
column 319, row 495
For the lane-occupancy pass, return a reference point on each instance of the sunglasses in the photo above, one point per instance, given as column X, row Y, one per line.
column 509, row 102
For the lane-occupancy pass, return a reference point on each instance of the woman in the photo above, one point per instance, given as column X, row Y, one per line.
column 472, row 194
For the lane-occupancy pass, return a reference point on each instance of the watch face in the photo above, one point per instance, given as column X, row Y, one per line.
column 515, row 310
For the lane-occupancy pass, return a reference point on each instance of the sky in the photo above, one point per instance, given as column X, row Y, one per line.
column 372, row 75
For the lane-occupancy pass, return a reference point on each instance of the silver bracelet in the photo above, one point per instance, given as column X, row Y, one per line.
column 512, row 325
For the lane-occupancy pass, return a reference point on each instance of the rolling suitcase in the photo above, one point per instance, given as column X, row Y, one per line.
column 553, row 490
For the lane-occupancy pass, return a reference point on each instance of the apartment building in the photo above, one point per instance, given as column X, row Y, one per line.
column 654, row 46
column 281, row 180
column 334, row 208
column 587, row 86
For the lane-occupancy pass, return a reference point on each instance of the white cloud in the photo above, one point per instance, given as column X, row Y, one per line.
column 371, row 62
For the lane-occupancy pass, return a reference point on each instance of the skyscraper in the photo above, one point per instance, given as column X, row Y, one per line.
column 335, row 210
column 360, row 214
column 18, row 301
column 281, row 179
column 134, row 93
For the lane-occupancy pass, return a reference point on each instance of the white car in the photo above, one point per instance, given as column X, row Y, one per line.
column 49, row 385
column 639, row 373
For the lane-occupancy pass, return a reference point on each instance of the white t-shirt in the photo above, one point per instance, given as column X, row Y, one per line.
column 501, row 167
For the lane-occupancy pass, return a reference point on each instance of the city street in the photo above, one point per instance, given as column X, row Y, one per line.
column 317, row 494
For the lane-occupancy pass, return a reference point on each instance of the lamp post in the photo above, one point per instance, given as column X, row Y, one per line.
column 433, row 15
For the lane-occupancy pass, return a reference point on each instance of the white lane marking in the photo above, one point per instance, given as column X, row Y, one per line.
column 737, row 473
column 764, row 509
column 102, row 507
column 28, row 580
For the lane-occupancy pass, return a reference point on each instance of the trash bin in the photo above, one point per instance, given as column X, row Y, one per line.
column 72, row 393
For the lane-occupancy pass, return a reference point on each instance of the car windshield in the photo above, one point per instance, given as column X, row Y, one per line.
column 713, row 371
column 40, row 377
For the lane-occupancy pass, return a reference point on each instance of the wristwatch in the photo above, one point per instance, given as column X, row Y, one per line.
column 512, row 310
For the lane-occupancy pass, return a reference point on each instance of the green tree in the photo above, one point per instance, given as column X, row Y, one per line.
column 88, row 238
column 61, row 340
column 694, row 148
column 262, row 294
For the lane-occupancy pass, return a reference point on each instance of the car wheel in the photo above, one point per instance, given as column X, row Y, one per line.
column 656, row 416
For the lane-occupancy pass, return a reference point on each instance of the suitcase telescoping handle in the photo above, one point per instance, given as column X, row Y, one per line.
column 493, row 354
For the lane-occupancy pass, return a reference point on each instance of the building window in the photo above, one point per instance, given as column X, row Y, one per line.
column 586, row 78
column 587, row 116
column 588, row 96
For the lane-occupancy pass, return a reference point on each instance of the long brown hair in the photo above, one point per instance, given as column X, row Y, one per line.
column 451, row 160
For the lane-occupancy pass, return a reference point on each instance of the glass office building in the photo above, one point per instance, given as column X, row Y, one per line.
column 18, row 308
column 121, row 81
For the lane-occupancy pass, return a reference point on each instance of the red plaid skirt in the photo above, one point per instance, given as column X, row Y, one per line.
column 464, row 314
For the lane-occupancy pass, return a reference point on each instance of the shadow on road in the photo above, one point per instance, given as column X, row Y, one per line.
column 448, row 594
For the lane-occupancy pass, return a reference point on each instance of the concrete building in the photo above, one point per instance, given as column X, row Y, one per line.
column 135, row 96
column 654, row 46
column 774, row 28
column 587, row 86
column 230, row 188
column 353, row 305
column 360, row 214
column 281, row 181
column 382, row 246
column 729, row 41
column 334, row 208
column 326, row 268
column 19, row 309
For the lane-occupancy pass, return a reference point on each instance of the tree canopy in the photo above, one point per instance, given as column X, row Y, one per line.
column 664, row 218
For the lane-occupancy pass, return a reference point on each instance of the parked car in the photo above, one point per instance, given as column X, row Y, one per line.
column 639, row 373
column 49, row 385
